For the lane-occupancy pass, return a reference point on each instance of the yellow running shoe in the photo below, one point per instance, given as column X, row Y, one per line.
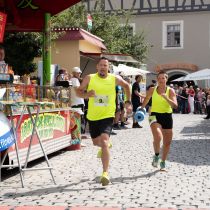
column 104, row 179
column 99, row 154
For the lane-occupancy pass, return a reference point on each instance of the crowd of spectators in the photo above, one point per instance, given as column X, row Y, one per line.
column 192, row 99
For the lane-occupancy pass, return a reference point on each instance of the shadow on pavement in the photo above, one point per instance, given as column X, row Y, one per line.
column 7, row 173
column 190, row 152
column 202, row 128
column 194, row 148
column 65, row 188
column 124, row 179
column 48, row 190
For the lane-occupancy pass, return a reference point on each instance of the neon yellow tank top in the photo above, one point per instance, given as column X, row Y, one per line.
column 103, row 105
column 159, row 104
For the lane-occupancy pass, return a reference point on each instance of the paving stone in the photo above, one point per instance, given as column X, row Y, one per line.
column 135, row 183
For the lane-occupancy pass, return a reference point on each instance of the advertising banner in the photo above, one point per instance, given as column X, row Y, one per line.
column 6, row 133
column 50, row 125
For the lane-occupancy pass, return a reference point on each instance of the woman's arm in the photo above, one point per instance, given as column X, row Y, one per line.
column 148, row 96
column 171, row 99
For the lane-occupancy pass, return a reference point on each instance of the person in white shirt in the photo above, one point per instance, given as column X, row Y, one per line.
column 77, row 102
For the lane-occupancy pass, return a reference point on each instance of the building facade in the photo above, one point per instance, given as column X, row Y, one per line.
column 178, row 32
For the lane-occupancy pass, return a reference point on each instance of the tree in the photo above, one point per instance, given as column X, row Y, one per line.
column 117, row 37
column 21, row 49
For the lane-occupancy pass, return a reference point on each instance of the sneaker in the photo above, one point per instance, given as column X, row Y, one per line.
column 113, row 133
column 136, row 125
column 162, row 165
column 116, row 127
column 99, row 154
column 123, row 127
column 104, row 179
column 155, row 161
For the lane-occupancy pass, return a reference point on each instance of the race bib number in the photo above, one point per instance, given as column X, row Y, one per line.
column 152, row 119
column 101, row 100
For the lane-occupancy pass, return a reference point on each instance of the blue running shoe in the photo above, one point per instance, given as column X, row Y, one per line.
column 155, row 161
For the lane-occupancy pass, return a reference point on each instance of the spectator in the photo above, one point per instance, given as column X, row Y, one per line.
column 191, row 95
column 120, row 112
column 77, row 102
column 3, row 65
column 208, row 107
column 184, row 101
column 136, row 98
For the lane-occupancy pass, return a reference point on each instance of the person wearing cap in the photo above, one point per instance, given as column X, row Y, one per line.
column 99, row 88
column 77, row 102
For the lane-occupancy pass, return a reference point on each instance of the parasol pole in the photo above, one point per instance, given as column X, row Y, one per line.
column 46, row 50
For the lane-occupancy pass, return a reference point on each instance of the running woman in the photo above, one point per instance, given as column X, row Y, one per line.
column 161, row 122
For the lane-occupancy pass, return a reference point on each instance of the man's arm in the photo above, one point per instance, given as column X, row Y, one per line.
column 81, row 90
column 139, row 94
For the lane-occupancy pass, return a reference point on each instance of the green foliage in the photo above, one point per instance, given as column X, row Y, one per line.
column 21, row 48
column 117, row 37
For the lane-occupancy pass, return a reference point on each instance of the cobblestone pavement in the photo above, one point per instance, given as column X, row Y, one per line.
column 135, row 183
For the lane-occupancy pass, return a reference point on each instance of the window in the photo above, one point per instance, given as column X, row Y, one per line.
column 172, row 35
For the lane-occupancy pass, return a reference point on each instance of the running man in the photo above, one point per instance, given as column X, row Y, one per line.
column 99, row 88
column 161, row 122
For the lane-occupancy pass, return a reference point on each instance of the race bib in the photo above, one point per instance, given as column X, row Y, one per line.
column 101, row 100
column 152, row 119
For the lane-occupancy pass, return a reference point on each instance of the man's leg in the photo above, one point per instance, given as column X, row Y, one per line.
column 103, row 142
column 116, row 120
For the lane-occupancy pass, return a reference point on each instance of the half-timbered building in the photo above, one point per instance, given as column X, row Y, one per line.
column 178, row 32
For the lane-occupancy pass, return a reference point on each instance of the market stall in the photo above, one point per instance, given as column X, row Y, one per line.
column 58, row 125
column 42, row 122
column 19, row 16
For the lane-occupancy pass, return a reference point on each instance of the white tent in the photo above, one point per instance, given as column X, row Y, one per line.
column 198, row 75
column 128, row 70
column 179, row 79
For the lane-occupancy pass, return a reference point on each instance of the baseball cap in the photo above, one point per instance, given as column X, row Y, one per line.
column 76, row 69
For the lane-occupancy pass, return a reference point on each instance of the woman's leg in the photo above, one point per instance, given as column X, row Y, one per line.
column 157, row 136
column 167, row 138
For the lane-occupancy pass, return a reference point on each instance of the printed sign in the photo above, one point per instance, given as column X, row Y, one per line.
column 46, row 125
column 3, row 18
column 6, row 134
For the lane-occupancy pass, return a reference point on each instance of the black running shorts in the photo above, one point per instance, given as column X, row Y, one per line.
column 98, row 127
column 164, row 119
